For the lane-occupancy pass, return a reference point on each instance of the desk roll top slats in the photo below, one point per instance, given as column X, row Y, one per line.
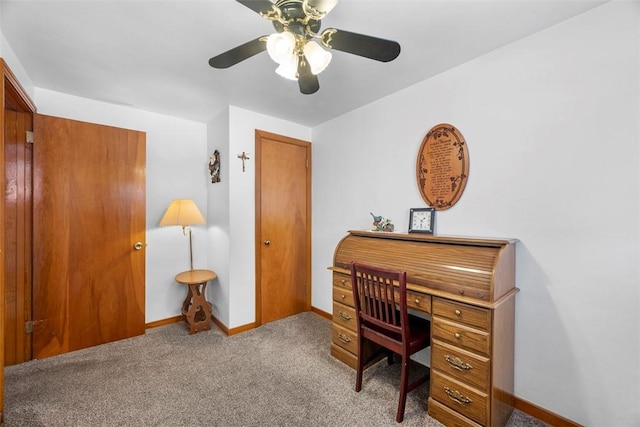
column 468, row 287
column 477, row 268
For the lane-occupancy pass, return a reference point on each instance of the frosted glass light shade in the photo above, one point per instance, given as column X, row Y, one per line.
column 281, row 46
column 182, row 212
column 289, row 69
column 318, row 58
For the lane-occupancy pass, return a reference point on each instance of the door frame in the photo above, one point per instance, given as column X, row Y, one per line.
column 11, row 88
column 259, row 135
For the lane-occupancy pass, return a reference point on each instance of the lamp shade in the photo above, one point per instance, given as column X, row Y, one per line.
column 280, row 46
column 318, row 57
column 289, row 69
column 182, row 212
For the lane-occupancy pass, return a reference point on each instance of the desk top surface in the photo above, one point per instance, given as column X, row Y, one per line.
column 193, row 277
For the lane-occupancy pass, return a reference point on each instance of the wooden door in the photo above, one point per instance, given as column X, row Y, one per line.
column 283, row 227
column 89, row 213
column 17, row 228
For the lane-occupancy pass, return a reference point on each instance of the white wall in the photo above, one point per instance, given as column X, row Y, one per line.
column 176, row 168
column 218, row 241
column 6, row 53
column 552, row 127
column 242, row 127
column 9, row 56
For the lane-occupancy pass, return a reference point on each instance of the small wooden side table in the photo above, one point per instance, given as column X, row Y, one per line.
column 195, row 307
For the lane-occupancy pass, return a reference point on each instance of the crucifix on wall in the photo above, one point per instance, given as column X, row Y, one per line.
column 243, row 157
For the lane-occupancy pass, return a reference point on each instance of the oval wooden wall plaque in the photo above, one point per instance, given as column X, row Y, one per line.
column 442, row 168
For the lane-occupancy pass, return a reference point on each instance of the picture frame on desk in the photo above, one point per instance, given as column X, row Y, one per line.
column 422, row 220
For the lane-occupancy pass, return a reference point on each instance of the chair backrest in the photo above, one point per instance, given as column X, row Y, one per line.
column 378, row 302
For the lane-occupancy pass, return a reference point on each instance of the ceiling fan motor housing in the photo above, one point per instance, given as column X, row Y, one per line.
column 295, row 20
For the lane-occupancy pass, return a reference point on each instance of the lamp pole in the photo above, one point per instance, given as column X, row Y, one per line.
column 184, row 231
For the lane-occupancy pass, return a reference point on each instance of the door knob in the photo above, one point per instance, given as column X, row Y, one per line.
column 267, row 242
column 137, row 246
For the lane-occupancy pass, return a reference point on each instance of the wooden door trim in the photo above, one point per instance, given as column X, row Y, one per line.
column 18, row 225
column 22, row 97
column 14, row 93
column 259, row 135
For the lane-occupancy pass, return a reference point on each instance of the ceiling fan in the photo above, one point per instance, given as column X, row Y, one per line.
column 294, row 47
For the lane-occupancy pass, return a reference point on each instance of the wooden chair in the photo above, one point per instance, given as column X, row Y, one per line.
column 381, row 310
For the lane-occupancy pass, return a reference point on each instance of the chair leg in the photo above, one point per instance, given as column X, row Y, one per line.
column 360, row 363
column 404, row 383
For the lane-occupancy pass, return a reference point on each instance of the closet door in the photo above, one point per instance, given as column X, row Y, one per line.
column 283, row 226
column 89, row 235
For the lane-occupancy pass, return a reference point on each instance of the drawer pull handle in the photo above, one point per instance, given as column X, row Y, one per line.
column 344, row 338
column 417, row 301
column 342, row 296
column 344, row 316
column 457, row 397
column 343, row 281
column 458, row 313
column 457, row 363
column 457, row 335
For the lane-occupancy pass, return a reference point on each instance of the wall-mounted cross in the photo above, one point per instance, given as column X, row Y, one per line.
column 243, row 157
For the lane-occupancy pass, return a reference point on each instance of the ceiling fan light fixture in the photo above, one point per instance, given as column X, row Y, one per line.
column 281, row 46
column 289, row 69
column 318, row 58
column 298, row 46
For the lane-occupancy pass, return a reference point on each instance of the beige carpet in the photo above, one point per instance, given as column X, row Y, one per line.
column 280, row 374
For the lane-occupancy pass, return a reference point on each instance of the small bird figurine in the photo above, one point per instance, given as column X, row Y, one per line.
column 376, row 218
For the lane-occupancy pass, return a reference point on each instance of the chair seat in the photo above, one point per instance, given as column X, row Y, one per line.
column 419, row 329
column 420, row 333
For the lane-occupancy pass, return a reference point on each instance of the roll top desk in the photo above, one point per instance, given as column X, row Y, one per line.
column 467, row 286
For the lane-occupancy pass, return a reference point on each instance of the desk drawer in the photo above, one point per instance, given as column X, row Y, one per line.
column 345, row 338
column 476, row 317
column 343, row 296
column 448, row 416
column 418, row 301
column 345, row 316
column 460, row 335
column 344, row 356
column 342, row 280
column 347, row 341
column 460, row 364
column 461, row 398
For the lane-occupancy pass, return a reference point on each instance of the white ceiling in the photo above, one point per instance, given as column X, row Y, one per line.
column 153, row 55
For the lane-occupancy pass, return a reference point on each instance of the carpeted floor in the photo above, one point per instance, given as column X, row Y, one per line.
column 280, row 374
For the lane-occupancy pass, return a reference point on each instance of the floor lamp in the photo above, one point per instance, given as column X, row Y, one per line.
column 183, row 212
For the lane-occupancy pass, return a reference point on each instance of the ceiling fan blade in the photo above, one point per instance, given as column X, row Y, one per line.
column 239, row 53
column 359, row 44
column 307, row 81
column 262, row 7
